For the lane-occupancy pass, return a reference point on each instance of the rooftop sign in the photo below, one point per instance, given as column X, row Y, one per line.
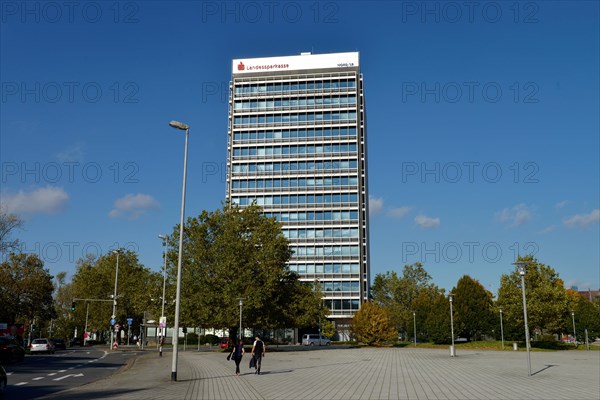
column 294, row 63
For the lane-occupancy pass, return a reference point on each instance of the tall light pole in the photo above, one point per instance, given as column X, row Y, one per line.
column 501, row 329
column 574, row 332
column 186, row 128
column 521, row 265
column 241, row 304
column 452, row 350
column 114, row 312
column 415, row 326
column 163, row 330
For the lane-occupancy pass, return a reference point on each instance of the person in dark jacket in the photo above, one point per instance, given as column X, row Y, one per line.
column 258, row 352
column 237, row 354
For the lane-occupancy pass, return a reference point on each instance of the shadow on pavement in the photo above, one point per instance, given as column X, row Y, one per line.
column 543, row 369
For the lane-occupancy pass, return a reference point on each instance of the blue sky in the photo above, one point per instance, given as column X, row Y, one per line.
column 483, row 124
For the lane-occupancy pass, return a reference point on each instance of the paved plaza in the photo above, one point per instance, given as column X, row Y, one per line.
column 357, row 373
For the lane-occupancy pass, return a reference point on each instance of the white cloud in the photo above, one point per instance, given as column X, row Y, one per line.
column 548, row 229
column 47, row 200
column 133, row 206
column 399, row 212
column 583, row 221
column 561, row 204
column 515, row 216
column 71, row 154
column 375, row 205
column 426, row 222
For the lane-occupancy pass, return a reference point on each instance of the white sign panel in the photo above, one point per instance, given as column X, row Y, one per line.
column 294, row 63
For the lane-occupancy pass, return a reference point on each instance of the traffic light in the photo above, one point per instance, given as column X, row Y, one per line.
column 73, row 306
column 33, row 328
column 184, row 330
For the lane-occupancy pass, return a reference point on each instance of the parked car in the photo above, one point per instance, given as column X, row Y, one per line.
column 224, row 344
column 59, row 343
column 313, row 339
column 76, row 342
column 3, row 380
column 11, row 349
column 42, row 345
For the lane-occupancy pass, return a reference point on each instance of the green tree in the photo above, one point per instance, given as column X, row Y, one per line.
column 63, row 324
column 307, row 305
column 547, row 301
column 587, row 316
column 438, row 320
column 371, row 325
column 396, row 294
column 26, row 289
column 138, row 292
column 328, row 328
column 472, row 309
column 8, row 223
column 422, row 307
column 237, row 252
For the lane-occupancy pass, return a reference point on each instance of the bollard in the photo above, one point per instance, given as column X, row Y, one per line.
column 515, row 347
column 452, row 351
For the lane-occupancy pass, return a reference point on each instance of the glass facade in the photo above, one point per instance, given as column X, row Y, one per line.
column 297, row 148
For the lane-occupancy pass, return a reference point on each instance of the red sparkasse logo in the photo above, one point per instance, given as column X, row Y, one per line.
column 241, row 66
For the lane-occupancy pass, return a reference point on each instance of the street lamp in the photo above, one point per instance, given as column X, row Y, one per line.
column 163, row 329
column 415, row 326
column 241, row 304
column 501, row 329
column 574, row 333
column 114, row 312
column 186, row 128
column 452, row 350
column 521, row 264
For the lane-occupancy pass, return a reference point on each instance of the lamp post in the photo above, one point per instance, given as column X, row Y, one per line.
column 574, row 332
column 241, row 304
column 186, row 128
column 415, row 327
column 114, row 312
column 521, row 265
column 452, row 350
column 501, row 329
column 163, row 329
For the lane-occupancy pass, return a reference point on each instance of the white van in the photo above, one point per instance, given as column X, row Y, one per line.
column 315, row 339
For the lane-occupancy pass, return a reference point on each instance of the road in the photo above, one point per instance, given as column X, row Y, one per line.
column 44, row 374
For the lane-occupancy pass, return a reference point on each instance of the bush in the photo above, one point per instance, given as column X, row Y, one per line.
column 371, row 325
column 210, row 339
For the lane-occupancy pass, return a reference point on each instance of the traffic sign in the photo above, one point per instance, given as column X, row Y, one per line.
column 117, row 327
column 129, row 321
column 113, row 320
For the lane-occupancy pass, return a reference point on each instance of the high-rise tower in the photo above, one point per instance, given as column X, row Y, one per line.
column 297, row 146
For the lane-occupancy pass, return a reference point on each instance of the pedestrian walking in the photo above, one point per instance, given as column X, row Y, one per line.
column 258, row 352
column 236, row 354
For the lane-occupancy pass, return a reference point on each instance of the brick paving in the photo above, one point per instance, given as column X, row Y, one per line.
column 360, row 373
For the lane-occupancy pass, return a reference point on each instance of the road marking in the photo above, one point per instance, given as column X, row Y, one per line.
column 70, row 367
column 9, row 373
column 66, row 376
column 87, row 352
column 20, row 383
column 52, row 374
column 62, row 370
column 38, row 378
